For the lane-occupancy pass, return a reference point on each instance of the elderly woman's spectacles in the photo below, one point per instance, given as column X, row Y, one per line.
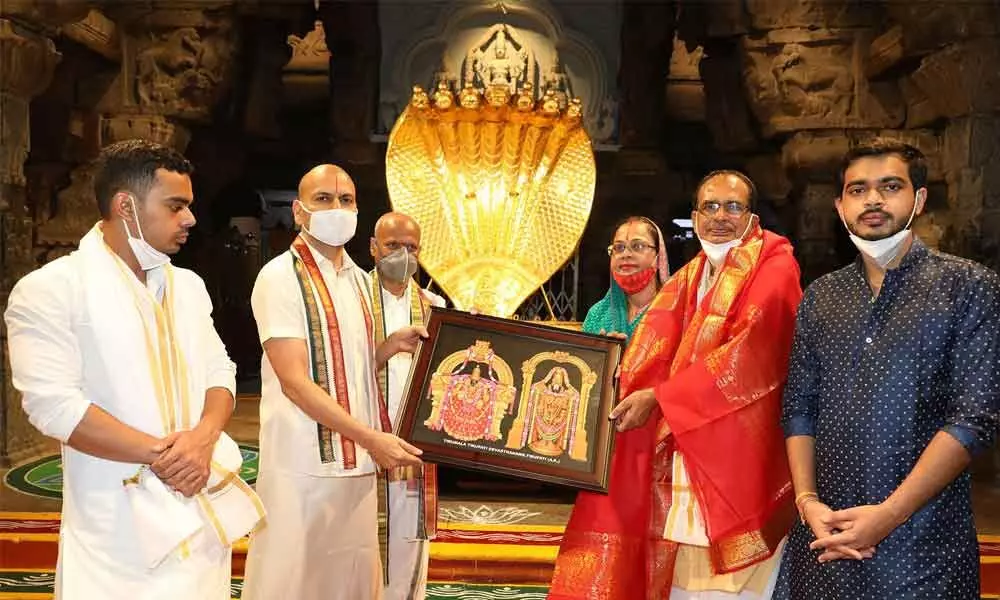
column 634, row 246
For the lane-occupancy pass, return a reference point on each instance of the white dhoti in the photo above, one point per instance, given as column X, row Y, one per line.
column 320, row 541
column 694, row 577
column 408, row 555
column 84, row 574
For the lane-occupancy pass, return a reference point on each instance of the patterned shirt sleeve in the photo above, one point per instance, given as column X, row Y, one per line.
column 972, row 415
column 798, row 415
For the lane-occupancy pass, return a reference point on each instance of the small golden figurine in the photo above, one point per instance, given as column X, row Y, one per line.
column 469, row 97
column 525, row 99
column 420, row 99
column 497, row 95
column 443, row 98
column 575, row 109
column 549, row 103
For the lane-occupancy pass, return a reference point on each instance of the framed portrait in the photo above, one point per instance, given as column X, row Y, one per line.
column 513, row 397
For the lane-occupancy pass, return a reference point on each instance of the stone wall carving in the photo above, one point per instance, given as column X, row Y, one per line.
column 685, row 95
column 928, row 26
column 156, row 128
column 46, row 15
column 305, row 79
column 961, row 79
column 27, row 61
column 76, row 211
column 815, row 230
column 801, row 79
column 781, row 14
column 309, row 52
column 182, row 72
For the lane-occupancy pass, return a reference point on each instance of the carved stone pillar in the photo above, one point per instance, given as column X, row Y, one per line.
column 815, row 230
column 971, row 163
column 27, row 61
column 176, row 68
column 178, row 63
column 353, row 39
column 647, row 44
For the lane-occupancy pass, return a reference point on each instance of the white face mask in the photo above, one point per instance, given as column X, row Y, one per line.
column 148, row 256
column 717, row 253
column 335, row 226
column 885, row 250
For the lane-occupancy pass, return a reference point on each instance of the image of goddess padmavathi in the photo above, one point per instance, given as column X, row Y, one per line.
column 471, row 391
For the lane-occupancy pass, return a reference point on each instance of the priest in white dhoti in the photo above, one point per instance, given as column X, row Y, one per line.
column 411, row 493
column 116, row 356
column 325, row 425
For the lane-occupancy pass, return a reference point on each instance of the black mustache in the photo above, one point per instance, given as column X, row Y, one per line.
column 875, row 211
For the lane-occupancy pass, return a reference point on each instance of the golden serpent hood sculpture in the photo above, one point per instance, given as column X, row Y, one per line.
column 502, row 189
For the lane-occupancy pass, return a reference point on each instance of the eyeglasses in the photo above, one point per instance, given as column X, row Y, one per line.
column 635, row 246
column 733, row 208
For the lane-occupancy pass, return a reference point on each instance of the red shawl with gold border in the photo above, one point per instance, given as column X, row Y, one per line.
column 718, row 370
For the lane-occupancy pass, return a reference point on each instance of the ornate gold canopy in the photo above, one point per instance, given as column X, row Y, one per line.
column 502, row 189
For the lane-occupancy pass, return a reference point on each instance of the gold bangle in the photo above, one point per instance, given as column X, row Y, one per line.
column 805, row 496
column 800, row 502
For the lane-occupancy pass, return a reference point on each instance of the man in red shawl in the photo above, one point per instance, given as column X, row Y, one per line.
column 700, row 496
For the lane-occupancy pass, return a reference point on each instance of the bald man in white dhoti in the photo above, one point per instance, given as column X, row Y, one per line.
column 324, row 426
column 116, row 356
column 411, row 493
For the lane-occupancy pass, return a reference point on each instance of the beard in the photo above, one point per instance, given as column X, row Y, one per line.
column 896, row 226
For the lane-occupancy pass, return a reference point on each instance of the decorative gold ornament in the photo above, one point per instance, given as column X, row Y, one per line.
column 502, row 190
column 420, row 97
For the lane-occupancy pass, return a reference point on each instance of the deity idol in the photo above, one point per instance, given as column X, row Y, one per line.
column 469, row 402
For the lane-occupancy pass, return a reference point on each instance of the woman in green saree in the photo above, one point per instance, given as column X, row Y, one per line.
column 638, row 269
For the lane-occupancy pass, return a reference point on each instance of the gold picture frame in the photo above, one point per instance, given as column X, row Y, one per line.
column 513, row 397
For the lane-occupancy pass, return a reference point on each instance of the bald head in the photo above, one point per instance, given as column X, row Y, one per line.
column 324, row 187
column 326, row 183
column 393, row 231
column 392, row 223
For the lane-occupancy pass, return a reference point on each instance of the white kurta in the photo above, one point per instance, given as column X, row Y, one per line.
column 408, row 556
column 59, row 320
column 321, row 537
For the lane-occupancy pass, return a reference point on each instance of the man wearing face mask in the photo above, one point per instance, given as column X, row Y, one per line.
column 893, row 386
column 699, row 457
column 114, row 351
column 324, row 423
column 412, row 497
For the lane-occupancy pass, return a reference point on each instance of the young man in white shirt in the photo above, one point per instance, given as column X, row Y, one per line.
column 116, row 356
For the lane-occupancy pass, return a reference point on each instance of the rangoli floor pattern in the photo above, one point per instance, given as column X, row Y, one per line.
column 486, row 549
